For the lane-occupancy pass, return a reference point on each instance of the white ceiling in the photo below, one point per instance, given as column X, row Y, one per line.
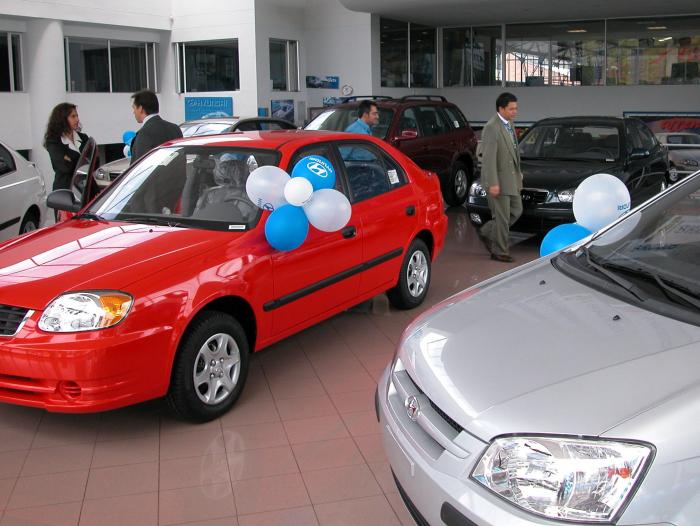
column 479, row 12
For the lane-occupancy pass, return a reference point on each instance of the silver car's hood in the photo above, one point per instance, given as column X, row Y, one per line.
column 538, row 352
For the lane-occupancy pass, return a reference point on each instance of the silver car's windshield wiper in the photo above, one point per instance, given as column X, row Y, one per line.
column 150, row 220
column 619, row 280
column 668, row 286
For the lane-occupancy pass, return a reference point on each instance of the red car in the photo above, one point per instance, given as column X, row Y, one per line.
column 165, row 282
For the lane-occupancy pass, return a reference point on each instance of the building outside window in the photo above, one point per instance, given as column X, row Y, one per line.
column 555, row 54
column 423, row 56
column 208, row 66
column 10, row 62
column 98, row 65
column 284, row 65
column 653, row 51
column 393, row 51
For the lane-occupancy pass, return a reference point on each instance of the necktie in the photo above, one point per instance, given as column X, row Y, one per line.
column 512, row 133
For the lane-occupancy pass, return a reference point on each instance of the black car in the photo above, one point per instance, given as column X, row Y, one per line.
column 558, row 154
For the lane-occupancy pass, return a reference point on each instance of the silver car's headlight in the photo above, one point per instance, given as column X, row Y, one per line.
column 476, row 190
column 85, row 311
column 566, row 196
column 577, row 479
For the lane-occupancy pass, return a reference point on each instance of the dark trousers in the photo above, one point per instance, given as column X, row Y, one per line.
column 505, row 210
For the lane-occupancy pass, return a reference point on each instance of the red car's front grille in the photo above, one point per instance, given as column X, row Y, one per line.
column 10, row 319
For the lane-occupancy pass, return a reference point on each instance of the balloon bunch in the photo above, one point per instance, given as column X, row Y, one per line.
column 598, row 201
column 127, row 137
column 305, row 197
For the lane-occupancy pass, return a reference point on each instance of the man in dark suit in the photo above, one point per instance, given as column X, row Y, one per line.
column 154, row 130
column 501, row 177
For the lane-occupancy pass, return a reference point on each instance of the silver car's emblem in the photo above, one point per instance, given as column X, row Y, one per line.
column 412, row 408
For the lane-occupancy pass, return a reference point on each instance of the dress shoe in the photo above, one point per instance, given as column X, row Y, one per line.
column 502, row 257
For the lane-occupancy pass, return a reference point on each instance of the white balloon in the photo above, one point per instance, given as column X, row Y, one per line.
column 599, row 200
column 126, row 150
column 298, row 191
column 265, row 187
column 328, row 210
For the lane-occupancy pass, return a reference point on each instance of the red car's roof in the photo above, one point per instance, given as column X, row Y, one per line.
column 267, row 139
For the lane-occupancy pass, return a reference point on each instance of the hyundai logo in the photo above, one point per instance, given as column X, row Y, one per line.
column 412, row 408
column 318, row 169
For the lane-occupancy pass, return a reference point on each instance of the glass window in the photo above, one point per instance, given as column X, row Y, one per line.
column 487, row 48
column 367, row 173
column 323, row 150
column 431, row 121
column 649, row 142
column 88, row 65
column 208, row 66
column 338, row 119
column 10, row 62
column 393, row 51
column 94, row 65
column 7, row 163
column 453, row 113
column 634, row 141
column 284, row 70
column 556, row 54
column 423, row 56
column 456, row 56
column 654, row 51
column 571, row 141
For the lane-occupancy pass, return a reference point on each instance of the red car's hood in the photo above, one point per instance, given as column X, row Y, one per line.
column 82, row 254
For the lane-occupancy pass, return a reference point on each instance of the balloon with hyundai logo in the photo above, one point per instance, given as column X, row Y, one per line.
column 599, row 200
column 265, row 187
column 317, row 169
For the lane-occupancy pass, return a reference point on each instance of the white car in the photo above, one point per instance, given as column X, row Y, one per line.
column 22, row 195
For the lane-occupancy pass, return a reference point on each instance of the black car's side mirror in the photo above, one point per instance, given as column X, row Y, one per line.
column 63, row 199
column 639, row 153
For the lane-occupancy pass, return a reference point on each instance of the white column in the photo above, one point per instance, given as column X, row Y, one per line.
column 46, row 83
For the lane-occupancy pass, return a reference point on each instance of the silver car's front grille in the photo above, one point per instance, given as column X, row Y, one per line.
column 423, row 420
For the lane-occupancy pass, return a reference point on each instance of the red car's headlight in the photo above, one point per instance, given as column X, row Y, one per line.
column 85, row 311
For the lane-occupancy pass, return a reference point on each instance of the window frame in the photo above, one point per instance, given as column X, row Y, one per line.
column 15, row 69
column 149, row 47
column 291, row 64
column 181, row 64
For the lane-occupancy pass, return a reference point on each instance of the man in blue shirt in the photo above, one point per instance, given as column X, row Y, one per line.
column 367, row 115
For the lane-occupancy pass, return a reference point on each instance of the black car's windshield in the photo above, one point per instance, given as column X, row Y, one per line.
column 571, row 142
column 194, row 186
column 657, row 248
column 337, row 119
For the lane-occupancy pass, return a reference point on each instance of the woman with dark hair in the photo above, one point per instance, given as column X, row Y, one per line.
column 64, row 142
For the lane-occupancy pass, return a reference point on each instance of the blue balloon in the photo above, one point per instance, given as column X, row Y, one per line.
column 128, row 136
column 287, row 227
column 317, row 169
column 562, row 236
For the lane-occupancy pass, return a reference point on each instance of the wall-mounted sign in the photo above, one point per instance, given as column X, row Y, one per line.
column 328, row 82
column 282, row 109
column 208, row 107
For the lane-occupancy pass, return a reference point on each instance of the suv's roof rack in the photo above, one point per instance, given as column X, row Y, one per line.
column 423, row 97
column 372, row 97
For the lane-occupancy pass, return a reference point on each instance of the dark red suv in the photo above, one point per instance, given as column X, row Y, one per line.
column 427, row 128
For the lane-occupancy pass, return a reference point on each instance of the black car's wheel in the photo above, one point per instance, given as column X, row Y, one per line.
column 414, row 277
column 29, row 223
column 455, row 191
column 210, row 368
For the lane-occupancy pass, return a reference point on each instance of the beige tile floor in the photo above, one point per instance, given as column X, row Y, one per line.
column 301, row 447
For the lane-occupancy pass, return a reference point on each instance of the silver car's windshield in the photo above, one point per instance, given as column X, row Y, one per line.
column 659, row 242
column 194, row 186
column 571, row 142
column 338, row 119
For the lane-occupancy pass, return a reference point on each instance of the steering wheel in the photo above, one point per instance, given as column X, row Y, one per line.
column 233, row 199
column 598, row 149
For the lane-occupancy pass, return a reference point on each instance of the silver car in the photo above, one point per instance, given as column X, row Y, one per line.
column 563, row 391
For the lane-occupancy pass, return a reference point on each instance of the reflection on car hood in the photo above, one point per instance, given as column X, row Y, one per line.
column 538, row 352
column 81, row 255
column 560, row 175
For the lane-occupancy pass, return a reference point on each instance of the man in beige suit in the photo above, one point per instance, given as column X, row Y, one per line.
column 501, row 177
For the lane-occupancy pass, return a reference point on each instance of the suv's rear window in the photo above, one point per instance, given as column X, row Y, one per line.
column 337, row 119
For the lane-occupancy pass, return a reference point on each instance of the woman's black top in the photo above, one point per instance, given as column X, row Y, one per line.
column 63, row 160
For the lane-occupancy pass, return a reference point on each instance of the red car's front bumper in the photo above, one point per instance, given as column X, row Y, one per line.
column 84, row 372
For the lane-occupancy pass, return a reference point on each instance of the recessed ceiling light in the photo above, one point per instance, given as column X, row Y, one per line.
column 656, row 28
column 664, row 39
column 577, row 31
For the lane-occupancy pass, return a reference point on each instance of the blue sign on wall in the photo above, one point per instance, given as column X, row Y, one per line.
column 208, row 107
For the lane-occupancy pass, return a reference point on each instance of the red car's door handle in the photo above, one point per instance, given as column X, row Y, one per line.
column 410, row 210
column 349, row 232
